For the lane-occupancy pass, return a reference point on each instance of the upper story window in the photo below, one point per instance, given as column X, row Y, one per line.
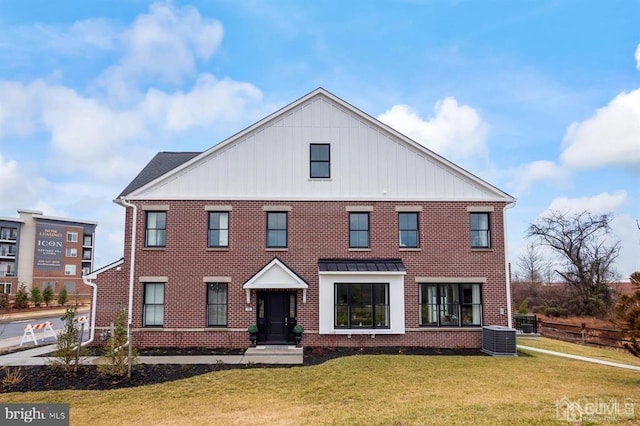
column 71, row 252
column 156, row 230
column 8, row 233
column 72, row 237
column 359, row 230
column 218, row 229
column 276, row 229
column 69, row 269
column 320, row 160
column 480, row 232
column 408, row 230
column 87, row 240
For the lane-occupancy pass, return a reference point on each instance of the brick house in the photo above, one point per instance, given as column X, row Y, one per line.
column 319, row 215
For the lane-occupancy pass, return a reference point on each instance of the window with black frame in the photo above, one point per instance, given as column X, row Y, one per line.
column 320, row 160
column 361, row 305
column 217, row 304
column 450, row 305
column 276, row 229
column 480, row 235
column 218, row 229
column 156, row 229
column 408, row 230
column 358, row 230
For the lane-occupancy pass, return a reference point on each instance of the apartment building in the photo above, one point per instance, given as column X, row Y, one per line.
column 39, row 250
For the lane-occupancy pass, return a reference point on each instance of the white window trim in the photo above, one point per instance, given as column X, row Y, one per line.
column 327, row 281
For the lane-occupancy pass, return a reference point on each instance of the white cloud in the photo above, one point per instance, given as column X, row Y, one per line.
column 21, row 186
column 638, row 57
column 611, row 137
column 208, row 100
column 162, row 45
column 598, row 204
column 538, row 171
column 455, row 130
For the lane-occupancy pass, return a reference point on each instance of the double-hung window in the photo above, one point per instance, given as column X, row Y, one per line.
column 408, row 230
column 72, row 237
column 219, row 229
column 480, row 232
column 69, row 269
column 153, row 313
column 450, row 305
column 359, row 230
column 156, row 229
column 320, row 160
column 216, row 304
column 361, row 305
column 276, row 229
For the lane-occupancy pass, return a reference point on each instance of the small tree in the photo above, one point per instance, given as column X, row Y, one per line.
column 68, row 341
column 628, row 316
column 115, row 350
column 22, row 298
column 36, row 296
column 47, row 295
column 63, row 296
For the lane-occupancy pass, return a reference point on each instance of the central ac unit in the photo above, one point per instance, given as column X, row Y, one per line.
column 499, row 340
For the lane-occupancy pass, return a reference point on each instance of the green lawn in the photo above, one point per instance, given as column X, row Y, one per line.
column 365, row 389
column 605, row 354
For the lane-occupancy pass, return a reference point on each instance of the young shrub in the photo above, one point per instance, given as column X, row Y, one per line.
column 524, row 307
column 36, row 296
column 12, row 376
column 22, row 298
column 4, row 300
column 68, row 349
column 47, row 295
column 63, row 296
column 116, row 352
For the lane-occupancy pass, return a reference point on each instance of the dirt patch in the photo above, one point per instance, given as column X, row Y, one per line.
column 87, row 377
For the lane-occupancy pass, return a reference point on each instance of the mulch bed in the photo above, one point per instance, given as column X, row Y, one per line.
column 87, row 377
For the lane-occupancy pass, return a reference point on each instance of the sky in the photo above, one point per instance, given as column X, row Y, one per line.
column 540, row 98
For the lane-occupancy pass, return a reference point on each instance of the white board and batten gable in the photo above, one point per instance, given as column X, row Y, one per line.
column 275, row 275
column 270, row 160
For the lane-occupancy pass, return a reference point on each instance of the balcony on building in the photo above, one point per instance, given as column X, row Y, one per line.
column 8, row 234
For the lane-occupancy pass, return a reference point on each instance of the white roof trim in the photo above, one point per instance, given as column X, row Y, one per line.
column 94, row 274
column 275, row 275
column 500, row 195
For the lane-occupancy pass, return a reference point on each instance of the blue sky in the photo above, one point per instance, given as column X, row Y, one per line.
column 540, row 98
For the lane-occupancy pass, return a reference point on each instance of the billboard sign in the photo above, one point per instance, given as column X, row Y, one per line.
column 49, row 247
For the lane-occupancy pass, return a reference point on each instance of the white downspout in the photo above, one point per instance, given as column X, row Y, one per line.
column 132, row 262
column 506, row 263
column 94, row 299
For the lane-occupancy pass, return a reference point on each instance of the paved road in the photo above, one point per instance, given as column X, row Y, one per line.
column 16, row 328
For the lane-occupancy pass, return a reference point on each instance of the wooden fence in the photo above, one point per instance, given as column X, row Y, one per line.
column 581, row 334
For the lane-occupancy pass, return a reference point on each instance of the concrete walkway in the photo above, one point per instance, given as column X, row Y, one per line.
column 580, row 358
column 285, row 355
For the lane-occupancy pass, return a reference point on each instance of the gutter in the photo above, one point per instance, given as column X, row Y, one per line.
column 132, row 261
column 94, row 298
column 506, row 262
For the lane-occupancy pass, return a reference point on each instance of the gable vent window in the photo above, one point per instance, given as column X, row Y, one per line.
column 320, row 160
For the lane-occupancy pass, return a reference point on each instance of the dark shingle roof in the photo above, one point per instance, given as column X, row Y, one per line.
column 361, row 265
column 162, row 163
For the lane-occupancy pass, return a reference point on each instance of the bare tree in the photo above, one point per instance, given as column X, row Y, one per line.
column 532, row 265
column 582, row 241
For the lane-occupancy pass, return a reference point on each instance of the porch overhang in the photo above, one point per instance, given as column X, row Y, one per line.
column 276, row 275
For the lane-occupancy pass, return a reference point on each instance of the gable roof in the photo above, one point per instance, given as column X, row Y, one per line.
column 276, row 275
column 268, row 160
column 160, row 164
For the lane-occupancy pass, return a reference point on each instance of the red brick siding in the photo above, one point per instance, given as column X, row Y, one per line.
column 315, row 230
